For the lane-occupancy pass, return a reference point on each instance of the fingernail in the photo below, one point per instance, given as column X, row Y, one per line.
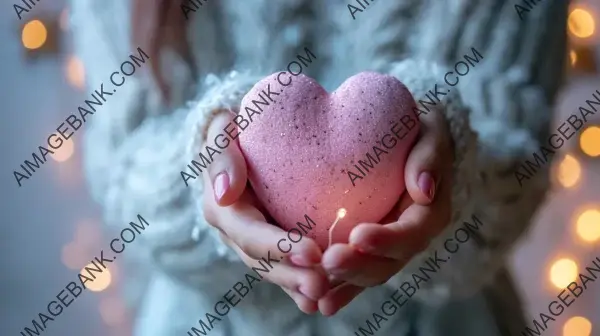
column 300, row 260
column 221, row 185
column 427, row 185
column 305, row 292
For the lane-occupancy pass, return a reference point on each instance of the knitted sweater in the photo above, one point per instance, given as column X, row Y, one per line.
column 497, row 114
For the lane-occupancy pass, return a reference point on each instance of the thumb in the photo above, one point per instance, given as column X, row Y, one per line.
column 422, row 170
column 227, row 174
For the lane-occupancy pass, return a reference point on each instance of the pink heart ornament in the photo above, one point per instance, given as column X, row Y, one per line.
column 312, row 153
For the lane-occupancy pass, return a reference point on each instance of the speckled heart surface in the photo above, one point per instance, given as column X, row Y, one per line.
column 311, row 153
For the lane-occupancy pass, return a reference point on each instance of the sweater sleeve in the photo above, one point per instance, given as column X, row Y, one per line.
column 135, row 148
column 498, row 116
column 145, row 178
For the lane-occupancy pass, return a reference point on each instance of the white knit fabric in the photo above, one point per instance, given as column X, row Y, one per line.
column 136, row 149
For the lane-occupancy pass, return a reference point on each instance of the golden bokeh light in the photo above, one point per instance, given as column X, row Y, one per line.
column 581, row 23
column 34, row 34
column 573, row 56
column 65, row 151
column 75, row 72
column 589, row 141
column 113, row 311
column 569, row 171
column 577, row 326
column 588, row 225
column 102, row 280
column 563, row 272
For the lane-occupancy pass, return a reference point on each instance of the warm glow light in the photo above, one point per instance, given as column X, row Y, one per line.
column 573, row 56
column 34, row 34
column 563, row 272
column 589, row 141
column 581, row 23
column 64, row 152
column 75, row 72
column 588, row 225
column 569, row 171
column 341, row 213
column 102, row 280
column 113, row 311
column 577, row 326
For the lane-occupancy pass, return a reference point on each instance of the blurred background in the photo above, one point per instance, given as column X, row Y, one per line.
column 52, row 229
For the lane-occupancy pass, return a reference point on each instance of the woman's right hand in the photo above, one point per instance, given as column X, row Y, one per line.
column 232, row 208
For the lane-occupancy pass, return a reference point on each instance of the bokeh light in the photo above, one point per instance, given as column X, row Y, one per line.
column 577, row 326
column 588, row 225
column 75, row 72
column 563, row 272
column 113, row 311
column 102, row 281
column 34, row 34
column 65, row 151
column 581, row 23
column 589, row 141
column 573, row 56
column 569, row 171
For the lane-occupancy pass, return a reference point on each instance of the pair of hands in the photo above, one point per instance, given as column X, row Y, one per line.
column 376, row 251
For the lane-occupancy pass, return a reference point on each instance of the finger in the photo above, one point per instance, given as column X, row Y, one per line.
column 403, row 239
column 305, row 281
column 424, row 163
column 338, row 298
column 227, row 173
column 246, row 227
column 403, row 204
column 305, row 304
column 347, row 264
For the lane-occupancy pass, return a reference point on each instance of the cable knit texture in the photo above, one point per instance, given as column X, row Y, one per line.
column 497, row 114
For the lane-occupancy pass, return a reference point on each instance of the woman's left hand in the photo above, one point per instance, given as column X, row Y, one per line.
column 376, row 252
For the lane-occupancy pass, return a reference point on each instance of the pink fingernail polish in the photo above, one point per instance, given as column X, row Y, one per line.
column 306, row 293
column 300, row 260
column 427, row 185
column 221, row 185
